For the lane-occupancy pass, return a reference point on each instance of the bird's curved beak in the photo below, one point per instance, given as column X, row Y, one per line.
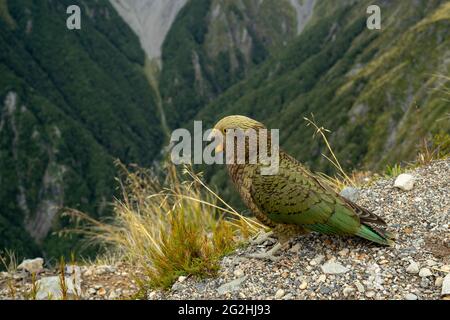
column 217, row 135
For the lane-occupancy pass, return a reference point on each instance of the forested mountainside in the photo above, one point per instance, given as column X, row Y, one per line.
column 70, row 103
column 213, row 44
column 379, row 92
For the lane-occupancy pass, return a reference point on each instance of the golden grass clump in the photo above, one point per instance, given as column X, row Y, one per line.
column 169, row 227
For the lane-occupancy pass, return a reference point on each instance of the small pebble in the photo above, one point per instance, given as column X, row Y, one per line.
column 438, row 282
column 411, row 296
column 425, row 272
column 413, row 268
column 348, row 291
column 279, row 294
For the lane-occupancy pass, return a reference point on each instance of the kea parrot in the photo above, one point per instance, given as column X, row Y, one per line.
column 294, row 200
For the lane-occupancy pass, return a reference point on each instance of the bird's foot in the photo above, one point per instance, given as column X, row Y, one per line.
column 269, row 255
column 261, row 238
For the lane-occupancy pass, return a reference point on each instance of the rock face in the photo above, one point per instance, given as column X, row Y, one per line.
column 150, row 20
column 304, row 10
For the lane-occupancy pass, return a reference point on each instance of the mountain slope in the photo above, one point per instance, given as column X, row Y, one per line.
column 213, row 44
column 70, row 103
column 376, row 90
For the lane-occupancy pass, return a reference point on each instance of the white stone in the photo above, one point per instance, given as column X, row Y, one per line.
column 404, row 182
column 411, row 296
column 360, row 287
column 32, row 265
column 438, row 282
column 348, row 291
column 431, row 263
column 71, row 269
column 303, row 285
column 413, row 268
column 279, row 294
column 333, row 268
column 446, row 285
column 50, row 288
column 343, row 252
column 181, row 278
column 445, row 268
column 238, row 273
column 113, row 295
column 425, row 272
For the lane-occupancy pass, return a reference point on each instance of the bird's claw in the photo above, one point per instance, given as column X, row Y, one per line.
column 269, row 255
column 261, row 238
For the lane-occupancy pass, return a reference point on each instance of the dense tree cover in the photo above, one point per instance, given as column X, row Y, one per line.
column 82, row 101
column 214, row 44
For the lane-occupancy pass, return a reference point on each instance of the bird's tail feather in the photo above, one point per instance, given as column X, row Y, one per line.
column 376, row 235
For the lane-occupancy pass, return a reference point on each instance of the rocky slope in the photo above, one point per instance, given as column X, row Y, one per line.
column 317, row 266
column 150, row 20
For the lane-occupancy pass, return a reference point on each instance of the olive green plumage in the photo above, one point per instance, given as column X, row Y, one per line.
column 295, row 196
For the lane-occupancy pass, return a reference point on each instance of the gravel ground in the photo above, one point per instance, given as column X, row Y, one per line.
column 316, row 266
column 326, row 267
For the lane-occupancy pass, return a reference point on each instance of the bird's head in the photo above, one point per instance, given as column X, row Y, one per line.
column 234, row 122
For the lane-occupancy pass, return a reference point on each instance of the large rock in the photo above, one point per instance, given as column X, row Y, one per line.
column 32, row 265
column 49, row 288
column 404, row 182
column 446, row 286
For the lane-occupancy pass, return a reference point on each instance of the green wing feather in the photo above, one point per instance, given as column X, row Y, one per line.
column 295, row 196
